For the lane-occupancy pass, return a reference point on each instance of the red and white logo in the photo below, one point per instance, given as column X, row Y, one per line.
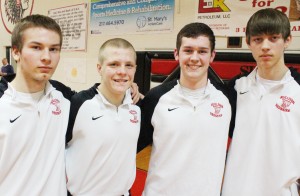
column 56, row 104
column 210, row 6
column 217, row 110
column 135, row 117
column 285, row 103
column 12, row 11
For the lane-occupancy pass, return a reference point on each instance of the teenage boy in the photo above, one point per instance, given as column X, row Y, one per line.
column 263, row 158
column 105, row 125
column 35, row 113
column 188, row 122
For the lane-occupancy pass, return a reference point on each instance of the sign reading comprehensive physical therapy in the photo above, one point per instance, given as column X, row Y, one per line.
column 229, row 17
column 131, row 16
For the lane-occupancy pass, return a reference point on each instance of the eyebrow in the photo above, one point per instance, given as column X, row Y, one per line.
column 188, row 47
column 39, row 43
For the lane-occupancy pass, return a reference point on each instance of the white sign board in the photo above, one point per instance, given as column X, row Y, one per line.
column 73, row 22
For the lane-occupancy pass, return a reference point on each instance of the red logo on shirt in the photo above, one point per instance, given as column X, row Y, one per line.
column 135, row 118
column 55, row 103
column 217, row 109
column 285, row 103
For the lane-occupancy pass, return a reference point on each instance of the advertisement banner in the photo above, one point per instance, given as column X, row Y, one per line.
column 229, row 17
column 131, row 16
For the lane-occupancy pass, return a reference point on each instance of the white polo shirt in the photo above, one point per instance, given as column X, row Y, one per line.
column 189, row 141
column 102, row 153
column 263, row 158
column 32, row 142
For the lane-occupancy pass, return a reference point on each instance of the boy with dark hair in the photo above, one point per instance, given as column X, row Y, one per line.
column 263, row 158
column 188, row 122
column 32, row 132
column 105, row 126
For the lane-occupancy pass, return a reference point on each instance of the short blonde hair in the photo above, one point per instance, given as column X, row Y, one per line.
column 115, row 43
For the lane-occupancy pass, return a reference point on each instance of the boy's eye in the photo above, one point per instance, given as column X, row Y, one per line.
column 257, row 39
column 188, row 51
column 55, row 49
column 112, row 64
column 36, row 47
column 202, row 51
column 129, row 65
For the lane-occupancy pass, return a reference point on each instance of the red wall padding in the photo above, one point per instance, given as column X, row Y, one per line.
column 228, row 69
column 163, row 66
column 225, row 69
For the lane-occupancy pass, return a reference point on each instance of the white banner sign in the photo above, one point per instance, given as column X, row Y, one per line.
column 229, row 17
column 131, row 16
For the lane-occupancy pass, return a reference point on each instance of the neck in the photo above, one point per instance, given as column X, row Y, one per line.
column 115, row 99
column 276, row 73
column 193, row 85
column 24, row 85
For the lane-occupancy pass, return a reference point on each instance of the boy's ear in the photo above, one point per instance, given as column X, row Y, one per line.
column 213, row 55
column 247, row 41
column 287, row 42
column 15, row 54
column 176, row 54
column 99, row 67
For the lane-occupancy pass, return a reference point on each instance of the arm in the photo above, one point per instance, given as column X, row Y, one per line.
column 3, row 73
column 146, row 131
column 76, row 102
column 232, row 96
column 135, row 94
column 148, row 105
column 65, row 90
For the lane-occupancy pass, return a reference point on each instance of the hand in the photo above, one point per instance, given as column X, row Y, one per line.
column 135, row 94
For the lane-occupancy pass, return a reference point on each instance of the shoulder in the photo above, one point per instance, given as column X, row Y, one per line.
column 295, row 74
column 153, row 96
column 219, row 88
column 160, row 90
column 65, row 90
column 84, row 95
column 218, row 94
column 76, row 103
column 237, row 78
column 3, row 87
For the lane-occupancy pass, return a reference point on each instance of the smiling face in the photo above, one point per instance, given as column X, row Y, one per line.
column 194, row 57
column 38, row 57
column 117, row 71
column 268, row 50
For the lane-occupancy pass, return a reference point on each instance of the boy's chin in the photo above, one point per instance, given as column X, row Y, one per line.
column 121, row 90
column 43, row 77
